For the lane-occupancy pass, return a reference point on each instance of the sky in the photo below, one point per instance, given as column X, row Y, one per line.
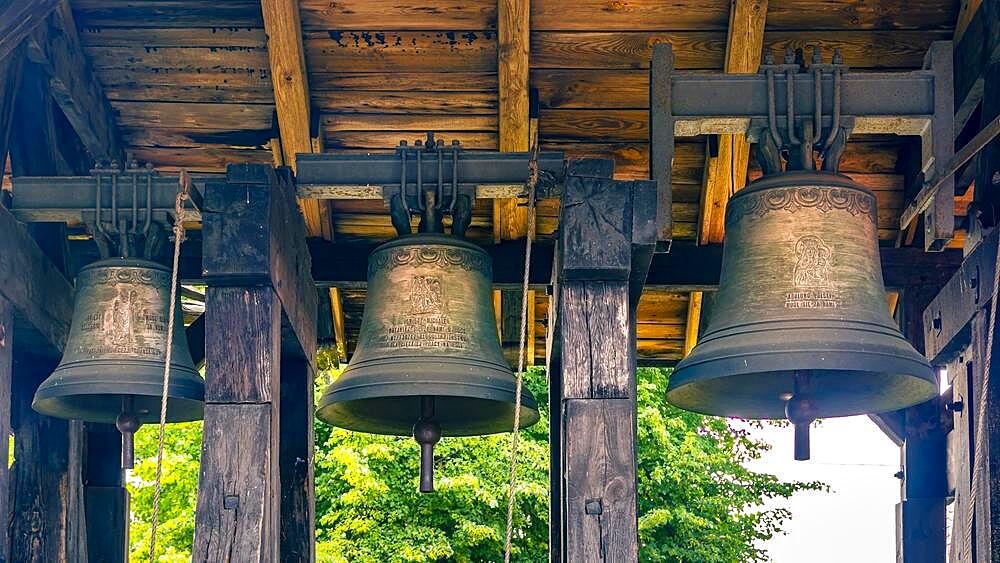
column 856, row 520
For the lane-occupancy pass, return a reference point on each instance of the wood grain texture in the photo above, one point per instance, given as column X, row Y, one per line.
column 168, row 13
column 291, row 95
column 33, row 285
column 56, row 47
column 246, row 373
column 18, row 19
column 727, row 172
column 6, row 383
column 596, row 230
column 653, row 15
column 45, row 523
column 238, row 512
column 701, row 50
column 600, row 502
column 510, row 220
column 596, row 343
column 409, row 51
column 693, row 322
column 398, row 15
column 295, row 460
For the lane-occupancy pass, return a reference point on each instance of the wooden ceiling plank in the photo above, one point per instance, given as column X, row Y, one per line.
column 726, row 173
column 510, row 220
column 56, row 47
column 19, row 18
column 286, row 56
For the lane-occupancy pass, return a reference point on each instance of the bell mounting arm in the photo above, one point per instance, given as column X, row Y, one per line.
column 796, row 112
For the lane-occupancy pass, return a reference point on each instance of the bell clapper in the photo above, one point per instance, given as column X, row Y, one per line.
column 427, row 432
column 127, row 423
column 801, row 412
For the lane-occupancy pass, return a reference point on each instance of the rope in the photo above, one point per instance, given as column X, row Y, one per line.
column 978, row 459
column 182, row 194
column 532, row 182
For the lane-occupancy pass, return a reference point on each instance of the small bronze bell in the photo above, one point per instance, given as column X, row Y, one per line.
column 112, row 367
column 428, row 360
column 800, row 327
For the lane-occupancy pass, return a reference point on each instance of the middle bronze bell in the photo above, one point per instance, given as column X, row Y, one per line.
column 428, row 341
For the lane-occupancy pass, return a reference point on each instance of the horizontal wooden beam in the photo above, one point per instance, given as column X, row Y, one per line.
column 56, row 47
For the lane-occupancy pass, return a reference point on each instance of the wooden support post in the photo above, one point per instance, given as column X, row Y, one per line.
column 46, row 499
column 726, row 172
column 6, row 368
column 257, row 269
column 295, row 461
column 602, row 264
column 510, row 220
column 939, row 217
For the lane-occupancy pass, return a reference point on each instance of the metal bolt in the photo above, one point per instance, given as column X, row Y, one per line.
column 789, row 56
column 955, row 406
column 838, row 57
column 231, row 502
column 817, row 55
column 594, row 506
column 768, row 56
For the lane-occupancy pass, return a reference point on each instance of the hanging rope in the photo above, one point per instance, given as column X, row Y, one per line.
column 183, row 194
column 978, row 454
column 532, row 182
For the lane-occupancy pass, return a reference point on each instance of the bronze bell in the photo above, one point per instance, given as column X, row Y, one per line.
column 800, row 327
column 112, row 367
column 428, row 361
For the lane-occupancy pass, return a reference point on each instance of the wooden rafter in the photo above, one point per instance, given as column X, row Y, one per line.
column 291, row 97
column 510, row 221
column 726, row 172
column 693, row 321
column 18, row 18
column 56, row 48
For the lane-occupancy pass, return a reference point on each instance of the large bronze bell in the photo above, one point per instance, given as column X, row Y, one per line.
column 800, row 327
column 113, row 362
column 428, row 359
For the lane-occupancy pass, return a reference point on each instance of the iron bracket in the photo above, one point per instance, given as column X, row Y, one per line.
column 915, row 103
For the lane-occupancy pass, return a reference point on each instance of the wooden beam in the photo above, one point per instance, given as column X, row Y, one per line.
column 33, row 285
column 10, row 78
column 291, row 95
column 56, row 48
column 18, row 18
column 339, row 330
column 510, row 220
column 726, row 173
column 693, row 321
column 254, row 211
column 6, row 382
column 599, row 262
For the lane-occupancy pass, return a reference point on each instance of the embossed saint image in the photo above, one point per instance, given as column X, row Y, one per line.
column 425, row 295
column 814, row 259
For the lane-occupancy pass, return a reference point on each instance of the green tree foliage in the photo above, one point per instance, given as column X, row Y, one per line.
column 697, row 502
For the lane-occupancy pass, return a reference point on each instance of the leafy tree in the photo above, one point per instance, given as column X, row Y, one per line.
column 697, row 501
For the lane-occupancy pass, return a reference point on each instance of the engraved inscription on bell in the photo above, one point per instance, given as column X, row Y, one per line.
column 122, row 315
column 811, row 276
column 425, row 322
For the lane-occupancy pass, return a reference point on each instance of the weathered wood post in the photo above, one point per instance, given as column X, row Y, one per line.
column 607, row 236
column 255, row 496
